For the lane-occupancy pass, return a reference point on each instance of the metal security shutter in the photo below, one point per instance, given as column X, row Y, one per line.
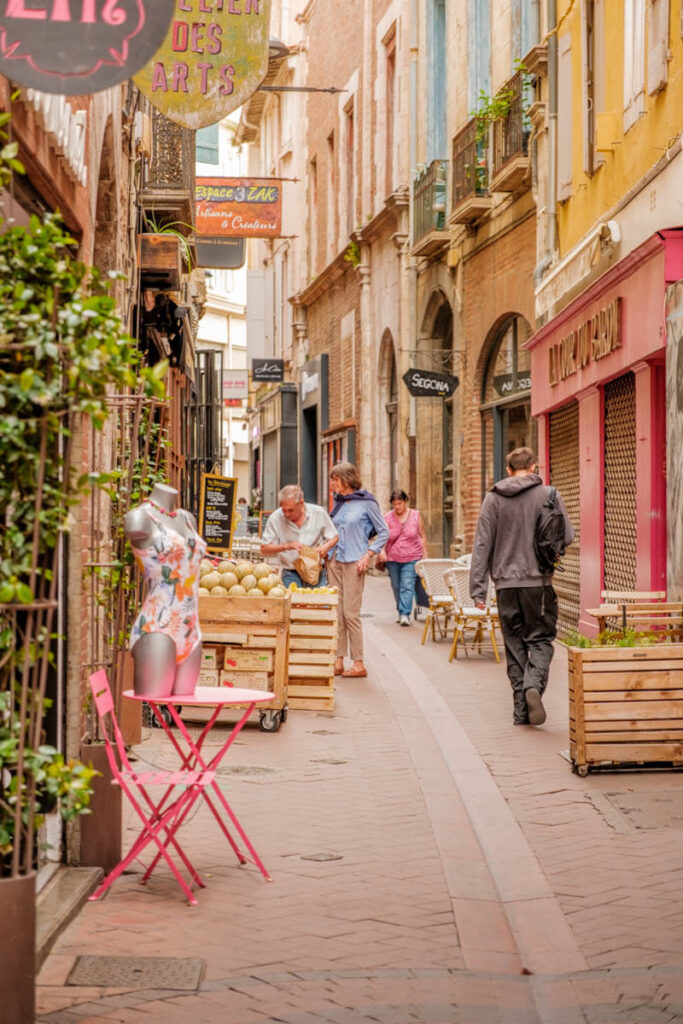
column 620, row 483
column 564, row 474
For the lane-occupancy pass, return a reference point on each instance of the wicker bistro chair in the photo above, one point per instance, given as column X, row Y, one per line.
column 441, row 611
column 468, row 617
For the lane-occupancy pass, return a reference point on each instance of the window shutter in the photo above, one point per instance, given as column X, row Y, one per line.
column 207, row 145
column 658, row 44
column 564, row 117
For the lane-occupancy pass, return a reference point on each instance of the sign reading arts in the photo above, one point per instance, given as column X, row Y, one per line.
column 238, row 207
column 214, row 57
column 73, row 47
column 592, row 340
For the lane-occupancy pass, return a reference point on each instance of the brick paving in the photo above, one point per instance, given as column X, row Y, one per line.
column 467, row 874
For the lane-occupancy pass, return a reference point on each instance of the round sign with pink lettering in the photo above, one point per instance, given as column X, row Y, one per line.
column 74, row 47
column 214, row 57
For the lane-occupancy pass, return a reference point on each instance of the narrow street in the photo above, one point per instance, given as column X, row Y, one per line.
column 431, row 863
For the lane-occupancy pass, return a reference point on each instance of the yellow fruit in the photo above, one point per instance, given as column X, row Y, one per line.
column 225, row 566
column 229, row 579
column 237, row 591
column 211, row 580
column 206, row 565
column 293, row 587
column 278, row 591
column 218, row 591
column 243, row 569
column 263, row 585
column 248, row 581
column 254, row 592
column 203, row 592
column 273, row 581
column 261, row 570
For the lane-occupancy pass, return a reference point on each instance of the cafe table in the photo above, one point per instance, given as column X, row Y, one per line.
column 194, row 759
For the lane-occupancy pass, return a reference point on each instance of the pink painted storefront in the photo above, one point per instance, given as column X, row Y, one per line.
column 598, row 391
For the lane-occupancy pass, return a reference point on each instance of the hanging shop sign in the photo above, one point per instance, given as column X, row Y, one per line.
column 220, row 253
column 213, row 58
column 235, row 385
column 590, row 341
column 243, row 207
column 217, row 497
column 429, row 384
column 512, row 383
column 74, row 47
column 272, row 370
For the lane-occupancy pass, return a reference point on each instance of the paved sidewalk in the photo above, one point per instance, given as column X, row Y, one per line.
column 460, row 872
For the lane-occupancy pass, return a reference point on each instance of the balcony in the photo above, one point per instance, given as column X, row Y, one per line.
column 510, row 153
column 429, row 210
column 471, row 199
column 168, row 192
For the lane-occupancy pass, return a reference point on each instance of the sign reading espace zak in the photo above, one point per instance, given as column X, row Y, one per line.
column 429, row 384
column 214, row 57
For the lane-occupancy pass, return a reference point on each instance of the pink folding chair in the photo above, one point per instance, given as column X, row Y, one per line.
column 160, row 818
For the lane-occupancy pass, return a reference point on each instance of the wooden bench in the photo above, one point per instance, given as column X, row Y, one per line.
column 661, row 617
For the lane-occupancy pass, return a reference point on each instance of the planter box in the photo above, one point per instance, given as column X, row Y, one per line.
column 160, row 260
column 18, row 948
column 625, row 705
column 101, row 830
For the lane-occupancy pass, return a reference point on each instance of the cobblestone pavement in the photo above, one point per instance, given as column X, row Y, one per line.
column 431, row 863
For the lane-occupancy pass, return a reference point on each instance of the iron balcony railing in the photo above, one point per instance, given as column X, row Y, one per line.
column 429, row 199
column 511, row 133
column 469, row 164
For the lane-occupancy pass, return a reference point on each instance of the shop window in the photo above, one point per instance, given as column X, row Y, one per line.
column 506, row 404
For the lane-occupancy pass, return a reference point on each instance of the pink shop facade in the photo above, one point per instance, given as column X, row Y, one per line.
column 598, row 373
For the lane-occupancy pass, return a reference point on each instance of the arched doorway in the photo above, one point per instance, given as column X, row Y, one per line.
column 386, row 473
column 435, row 467
column 506, row 399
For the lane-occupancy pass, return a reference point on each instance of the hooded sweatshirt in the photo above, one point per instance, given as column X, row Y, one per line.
column 504, row 538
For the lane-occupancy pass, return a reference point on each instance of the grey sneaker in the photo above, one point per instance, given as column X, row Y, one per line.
column 405, row 620
column 535, row 706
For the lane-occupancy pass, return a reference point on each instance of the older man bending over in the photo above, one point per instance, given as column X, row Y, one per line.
column 295, row 523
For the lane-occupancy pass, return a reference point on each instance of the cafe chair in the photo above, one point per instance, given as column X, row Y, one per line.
column 160, row 817
column 441, row 610
column 481, row 622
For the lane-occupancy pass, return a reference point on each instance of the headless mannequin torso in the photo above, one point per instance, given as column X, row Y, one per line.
column 165, row 639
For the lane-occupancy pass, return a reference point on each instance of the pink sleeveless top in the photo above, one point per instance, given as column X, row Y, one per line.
column 404, row 544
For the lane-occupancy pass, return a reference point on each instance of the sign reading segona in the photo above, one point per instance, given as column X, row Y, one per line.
column 73, row 47
column 214, row 57
column 429, row 384
column 238, row 207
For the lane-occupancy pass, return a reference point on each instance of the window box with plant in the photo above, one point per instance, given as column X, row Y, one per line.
column 625, row 699
column 164, row 253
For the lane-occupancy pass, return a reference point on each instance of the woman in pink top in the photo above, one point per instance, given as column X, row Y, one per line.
column 406, row 545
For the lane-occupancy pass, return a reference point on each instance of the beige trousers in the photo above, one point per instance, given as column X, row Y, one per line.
column 350, row 584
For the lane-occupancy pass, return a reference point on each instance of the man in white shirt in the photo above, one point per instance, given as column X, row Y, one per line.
column 296, row 523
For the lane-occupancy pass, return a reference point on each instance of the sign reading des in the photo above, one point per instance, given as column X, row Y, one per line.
column 429, row 384
column 268, row 370
column 238, row 207
column 73, row 47
column 214, row 57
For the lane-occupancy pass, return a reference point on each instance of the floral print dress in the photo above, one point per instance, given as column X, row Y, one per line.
column 170, row 567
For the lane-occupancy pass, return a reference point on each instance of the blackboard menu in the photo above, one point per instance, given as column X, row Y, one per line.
column 217, row 511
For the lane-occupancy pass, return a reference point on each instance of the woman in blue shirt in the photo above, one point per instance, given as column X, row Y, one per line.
column 362, row 534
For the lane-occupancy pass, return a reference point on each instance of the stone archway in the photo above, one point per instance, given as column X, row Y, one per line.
column 386, row 427
column 434, row 423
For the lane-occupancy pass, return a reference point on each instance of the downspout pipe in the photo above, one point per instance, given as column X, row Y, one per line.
column 412, row 273
column 552, row 129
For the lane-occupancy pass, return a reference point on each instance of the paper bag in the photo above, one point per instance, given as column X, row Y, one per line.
column 308, row 565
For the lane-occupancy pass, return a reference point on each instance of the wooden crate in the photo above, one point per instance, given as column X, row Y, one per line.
column 249, row 624
column 312, row 651
column 625, row 705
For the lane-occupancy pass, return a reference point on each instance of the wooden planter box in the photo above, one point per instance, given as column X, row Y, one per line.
column 625, row 705
column 160, row 260
column 312, row 651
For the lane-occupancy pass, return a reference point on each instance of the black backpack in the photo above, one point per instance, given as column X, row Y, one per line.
column 549, row 534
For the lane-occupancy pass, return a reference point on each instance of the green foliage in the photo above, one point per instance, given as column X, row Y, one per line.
column 489, row 109
column 48, row 781
column 173, row 228
column 352, row 254
column 613, row 638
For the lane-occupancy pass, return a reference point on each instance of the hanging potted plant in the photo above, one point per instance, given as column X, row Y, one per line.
column 61, row 349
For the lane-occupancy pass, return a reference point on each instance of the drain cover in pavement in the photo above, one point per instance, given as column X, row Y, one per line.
column 323, row 732
column 648, row 810
column 322, row 856
column 246, row 769
column 137, row 972
column 327, row 760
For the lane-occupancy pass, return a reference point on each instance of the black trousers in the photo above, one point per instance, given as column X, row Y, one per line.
column 528, row 622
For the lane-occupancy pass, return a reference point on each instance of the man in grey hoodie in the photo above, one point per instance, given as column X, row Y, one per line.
column 527, row 603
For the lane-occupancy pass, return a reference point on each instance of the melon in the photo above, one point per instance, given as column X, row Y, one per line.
column 206, row 565
column 211, row 580
column 243, row 569
column 203, row 592
column 248, row 581
column 219, row 591
column 261, row 570
column 225, row 566
column 237, row 590
column 277, row 591
column 254, row 592
column 263, row 585
column 229, row 579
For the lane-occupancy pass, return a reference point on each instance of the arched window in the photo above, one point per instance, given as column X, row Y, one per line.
column 506, row 401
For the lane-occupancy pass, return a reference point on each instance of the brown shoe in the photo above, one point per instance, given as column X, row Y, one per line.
column 355, row 673
column 339, row 668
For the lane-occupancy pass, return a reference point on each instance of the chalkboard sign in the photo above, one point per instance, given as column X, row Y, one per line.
column 217, row 511
column 263, row 519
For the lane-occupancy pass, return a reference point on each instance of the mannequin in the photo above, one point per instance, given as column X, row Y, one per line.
column 165, row 638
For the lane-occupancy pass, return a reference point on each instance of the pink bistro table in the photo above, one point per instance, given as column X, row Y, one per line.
column 193, row 759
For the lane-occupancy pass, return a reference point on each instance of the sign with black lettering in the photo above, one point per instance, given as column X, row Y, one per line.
column 74, row 47
column 268, row 370
column 429, row 384
column 213, row 58
column 217, row 497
